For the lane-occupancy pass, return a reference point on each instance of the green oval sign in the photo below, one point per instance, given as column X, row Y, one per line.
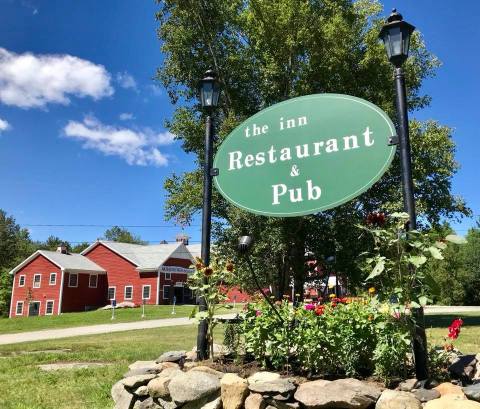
column 305, row 155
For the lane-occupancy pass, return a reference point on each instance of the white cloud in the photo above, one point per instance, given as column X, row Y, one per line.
column 137, row 147
column 125, row 80
column 126, row 116
column 31, row 81
column 4, row 125
column 155, row 90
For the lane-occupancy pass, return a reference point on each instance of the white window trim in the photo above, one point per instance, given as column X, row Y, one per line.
column 70, row 278
column 39, row 282
column 16, row 308
column 50, row 279
column 149, row 291
column 125, row 292
column 168, row 276
column 89, row 281
column 20, row 280
column 46, row 306
column 114, row 292
column 163, row 293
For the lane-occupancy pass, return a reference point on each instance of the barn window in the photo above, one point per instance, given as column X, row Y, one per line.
column 37, row 279
column 49, row 307
column 19, row 309
column 111, row 293
column 21, row 281
column 168, row 276
column 166, row 292
column 73, row 280
column 146, row 292
column 92, row 281
column 53, row 278
column 128, row 292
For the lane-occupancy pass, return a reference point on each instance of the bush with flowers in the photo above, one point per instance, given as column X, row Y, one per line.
column 341, row 337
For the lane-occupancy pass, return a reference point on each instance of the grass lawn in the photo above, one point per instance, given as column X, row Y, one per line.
column 24, row 386
column 76, row 319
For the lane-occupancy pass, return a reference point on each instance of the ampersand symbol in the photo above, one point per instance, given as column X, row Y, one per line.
column 295, row 171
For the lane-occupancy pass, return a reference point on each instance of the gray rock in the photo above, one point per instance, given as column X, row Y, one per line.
column 192, row 386
column 234, row 391
column 424, row 395
column 141, row 391
column 146, row 404
column 206, row 402
column 407, row 385
column 166, row 404
column 342, row 393
column 142, row 364
column 172, row 356
column 140, row 371
column 137, row 380
column 473, row 392
column 278, row 386
column 459, row 366
column 158, row 387
column 397, row 400
column 255, row 401
column 263, row 376
column 122, row 398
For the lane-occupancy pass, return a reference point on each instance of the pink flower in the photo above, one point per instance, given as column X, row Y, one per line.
column 258, row 313
column 309, row 307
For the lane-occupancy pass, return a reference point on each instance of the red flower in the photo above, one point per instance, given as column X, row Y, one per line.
column 454, row 328
column 320, row 309
column 376, row 219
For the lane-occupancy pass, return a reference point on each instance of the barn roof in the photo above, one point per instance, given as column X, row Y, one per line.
column 67, row 262
column 146, row 257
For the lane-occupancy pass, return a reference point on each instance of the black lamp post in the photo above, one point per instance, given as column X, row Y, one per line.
column 395, row 35
column 209, row 95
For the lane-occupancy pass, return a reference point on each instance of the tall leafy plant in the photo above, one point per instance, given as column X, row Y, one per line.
column 398, row 262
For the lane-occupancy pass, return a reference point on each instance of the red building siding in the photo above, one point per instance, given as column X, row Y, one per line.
column 43, row 266
column 122, row 273
column 82, row 297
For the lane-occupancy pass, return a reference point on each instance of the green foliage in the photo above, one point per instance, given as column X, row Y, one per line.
column 266, row 51
column 206, row 283
column 340, row 338
column 117, row 233
column 398, row 263
column 233, row 339
column 15, row 244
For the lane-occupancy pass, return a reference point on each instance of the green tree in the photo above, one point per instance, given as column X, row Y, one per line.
column 120, row 234
column 52, row 243
column 266, row 51
column 15, row 245
column 471, row 264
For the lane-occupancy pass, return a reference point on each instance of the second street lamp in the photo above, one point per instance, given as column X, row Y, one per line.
column 395, row 35
column 209, row 96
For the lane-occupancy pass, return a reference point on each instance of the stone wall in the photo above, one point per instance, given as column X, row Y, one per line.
column 175, row 381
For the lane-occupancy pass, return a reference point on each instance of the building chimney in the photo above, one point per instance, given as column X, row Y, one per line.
column 164, row 242
column 62, row 248
column 182, row 238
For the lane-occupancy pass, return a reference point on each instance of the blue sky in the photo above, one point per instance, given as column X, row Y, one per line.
column 81, row 123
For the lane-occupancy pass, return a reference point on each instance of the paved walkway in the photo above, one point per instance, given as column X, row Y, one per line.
column 95, row 329
column 447, row 309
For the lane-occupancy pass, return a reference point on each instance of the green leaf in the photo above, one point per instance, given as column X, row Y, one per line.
column 399, row 215
column 193, row 312
column 415, row 304
column 440, row 245
column 453, row 238
column 423, row 300
column 436, row 253
column 378, row 269
column 432, row 284
column 417, row 261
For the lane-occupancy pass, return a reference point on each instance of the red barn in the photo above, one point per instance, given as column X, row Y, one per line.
column 49, row 282
column 154, row 273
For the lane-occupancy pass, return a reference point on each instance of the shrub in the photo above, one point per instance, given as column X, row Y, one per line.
column 358, row 338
